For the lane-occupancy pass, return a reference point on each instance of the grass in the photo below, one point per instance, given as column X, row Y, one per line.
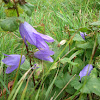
column 54, row 18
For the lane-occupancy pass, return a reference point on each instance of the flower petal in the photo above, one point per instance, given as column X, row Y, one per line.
column 11, row 68
column 82, row 35
column 13, row 59
column 46, row 37
column 26, row 31
column 86, row 69
column 44, row 55
column 40, row 43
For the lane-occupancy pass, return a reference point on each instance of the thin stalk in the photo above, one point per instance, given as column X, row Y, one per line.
column 30, row 63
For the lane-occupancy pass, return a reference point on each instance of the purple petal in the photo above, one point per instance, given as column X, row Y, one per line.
column 13, row 59
column 86, row 69
column 46, row 37
column 44, row 55
column 32, row 36
column 26, row 31
column 82, row 35
column 40, row 43
column 13, row 62
column 11, row 68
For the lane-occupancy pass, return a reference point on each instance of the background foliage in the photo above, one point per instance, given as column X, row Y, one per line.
column 63, row 20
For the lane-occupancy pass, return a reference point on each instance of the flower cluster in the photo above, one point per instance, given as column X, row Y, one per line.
column 86, row 70
column 35, row 38
column 28, row 33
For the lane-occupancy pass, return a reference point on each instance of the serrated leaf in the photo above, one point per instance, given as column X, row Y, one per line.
column 78, row 38
column 85, row 45
column 62, row 80
column 64, row 60
column 25, row 65
column 28, row 8
column 84, row 29
column 96, row 23
column 76, row 53
column 9, row 24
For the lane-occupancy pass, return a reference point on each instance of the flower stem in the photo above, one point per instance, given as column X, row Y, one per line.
column 16, row 7
column 30, row 63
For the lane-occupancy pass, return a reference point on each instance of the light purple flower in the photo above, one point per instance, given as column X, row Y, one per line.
column 83, row 35
column 86, row 70
column 13, row 62
column 35, row 66
column 44, row 55
column 33, row 37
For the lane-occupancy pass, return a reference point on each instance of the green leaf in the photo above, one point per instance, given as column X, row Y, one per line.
column 76, row 53
column 92, row 84
column 65, row 60
column 9, row 24
column 97, row 62
column 28, row 8
column 85, row 45
column 98, row 39
column 84, row 29
column 78, row 38
column 95, row 23
column 25, row 65
column 62, row 80
column 10, row 12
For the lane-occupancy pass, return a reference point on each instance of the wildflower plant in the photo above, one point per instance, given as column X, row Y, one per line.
column 38, row 66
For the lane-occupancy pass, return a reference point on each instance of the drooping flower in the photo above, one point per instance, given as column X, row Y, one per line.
column 33, row 37
column 13, row 61
column 86, row 70
column 44, row 55
column 83, row 35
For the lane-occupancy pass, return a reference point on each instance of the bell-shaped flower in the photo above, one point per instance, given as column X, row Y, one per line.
column 44, row 55
column 33, row 37
column 83, row 35
column 86, row 70
column 13, row 61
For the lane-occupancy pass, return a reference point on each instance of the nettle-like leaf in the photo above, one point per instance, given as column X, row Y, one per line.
column 25, row 65
column 9, row 24
column 62, row 80
column 95, row 23
column 92, row 84
column 76, row 69
column 78, row 38
column 84, row 29
column 28, row 8
column 85, row 45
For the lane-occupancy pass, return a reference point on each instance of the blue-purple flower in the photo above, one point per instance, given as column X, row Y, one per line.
column 44, row 55
column 83, row 35
column 13, row 61
column 33, row 37
column 86, row 70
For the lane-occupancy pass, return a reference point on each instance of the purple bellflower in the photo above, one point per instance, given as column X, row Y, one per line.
column 83, row 35
column 86, row 70
column 33, row 37
column 44, row 55
column 13, row 62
